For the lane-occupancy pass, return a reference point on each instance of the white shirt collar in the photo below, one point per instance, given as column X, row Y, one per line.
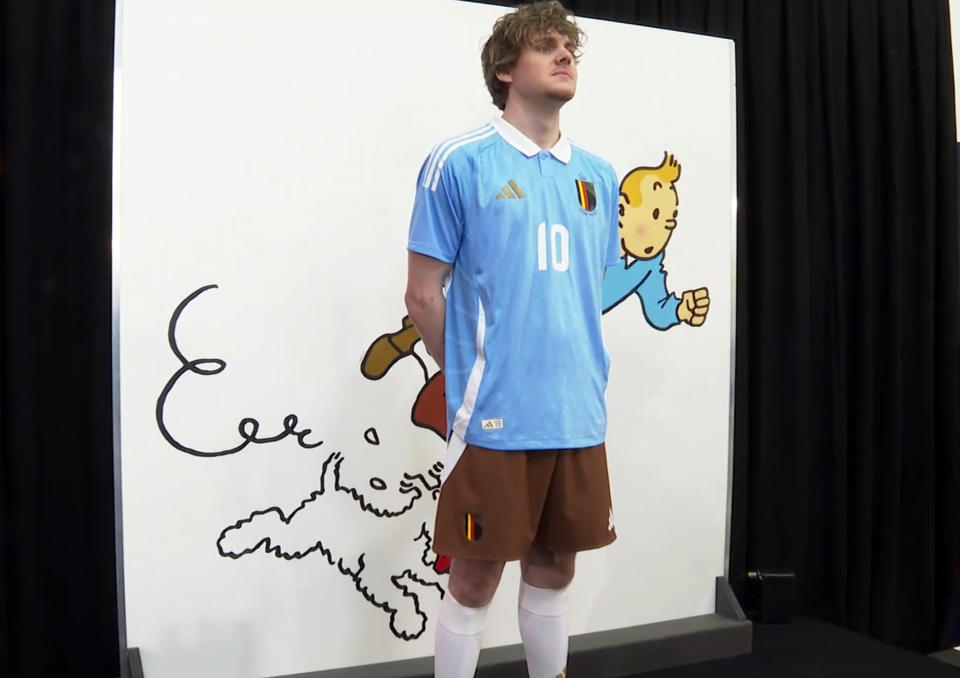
column 524, row 144
column 629, row 259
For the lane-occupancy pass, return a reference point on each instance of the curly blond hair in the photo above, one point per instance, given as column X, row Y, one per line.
column 517, row 30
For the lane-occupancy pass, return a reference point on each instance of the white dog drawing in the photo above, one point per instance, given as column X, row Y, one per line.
column 383, row 546
column 374, row 532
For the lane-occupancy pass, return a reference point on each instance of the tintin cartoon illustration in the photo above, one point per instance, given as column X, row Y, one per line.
column 429, row 408
column 648, row 217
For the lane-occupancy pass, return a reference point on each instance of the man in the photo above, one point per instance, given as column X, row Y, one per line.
column 518, row 225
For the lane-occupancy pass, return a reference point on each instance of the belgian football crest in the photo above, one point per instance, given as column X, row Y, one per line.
column 586, row 195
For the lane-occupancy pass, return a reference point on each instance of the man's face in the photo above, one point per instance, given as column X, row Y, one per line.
column 646, row 229
column 544, row 70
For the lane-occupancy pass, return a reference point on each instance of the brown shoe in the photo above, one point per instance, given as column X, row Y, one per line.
column 388, row 349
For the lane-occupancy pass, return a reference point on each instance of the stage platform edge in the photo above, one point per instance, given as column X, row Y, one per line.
column 604, row 654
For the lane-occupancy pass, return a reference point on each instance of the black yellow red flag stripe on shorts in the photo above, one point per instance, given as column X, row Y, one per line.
column 472, row 527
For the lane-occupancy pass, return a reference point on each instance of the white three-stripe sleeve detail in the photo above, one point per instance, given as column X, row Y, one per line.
column 443, row 159
column 465, row 411
column 440, row 148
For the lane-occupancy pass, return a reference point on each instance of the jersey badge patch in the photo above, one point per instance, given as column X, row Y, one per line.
column 511, row 191
column 586, row 195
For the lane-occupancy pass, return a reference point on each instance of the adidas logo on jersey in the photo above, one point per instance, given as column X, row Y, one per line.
column 511, row 190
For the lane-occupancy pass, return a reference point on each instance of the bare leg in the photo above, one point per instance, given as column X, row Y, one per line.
column 547, row 569
column 473, row 582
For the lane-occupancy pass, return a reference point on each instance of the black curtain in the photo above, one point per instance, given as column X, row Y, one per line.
column 846, row 438
column 58, row 610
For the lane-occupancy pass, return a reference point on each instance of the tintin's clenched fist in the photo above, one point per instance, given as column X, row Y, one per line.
column 693, row 307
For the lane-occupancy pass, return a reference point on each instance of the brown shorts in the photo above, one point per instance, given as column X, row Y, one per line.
column 494, row 505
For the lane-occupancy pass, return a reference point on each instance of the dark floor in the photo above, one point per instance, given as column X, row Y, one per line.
column 812, row 649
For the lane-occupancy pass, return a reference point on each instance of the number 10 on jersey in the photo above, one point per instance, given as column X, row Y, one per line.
column 559, row 246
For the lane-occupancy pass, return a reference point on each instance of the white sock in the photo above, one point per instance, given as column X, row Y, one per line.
column 543, row 627
column 459, row 635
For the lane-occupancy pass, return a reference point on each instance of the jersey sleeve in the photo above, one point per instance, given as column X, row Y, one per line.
column 436, row 226
column 613, row 243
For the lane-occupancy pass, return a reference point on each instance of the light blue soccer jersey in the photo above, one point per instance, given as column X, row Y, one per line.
column 529, row 233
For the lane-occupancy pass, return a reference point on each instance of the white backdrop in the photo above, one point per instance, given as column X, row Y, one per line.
column 271, row 149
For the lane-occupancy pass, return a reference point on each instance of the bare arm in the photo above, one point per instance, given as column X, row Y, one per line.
column 425, row 302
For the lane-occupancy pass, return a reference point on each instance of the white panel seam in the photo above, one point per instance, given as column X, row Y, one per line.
column 465, row 411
